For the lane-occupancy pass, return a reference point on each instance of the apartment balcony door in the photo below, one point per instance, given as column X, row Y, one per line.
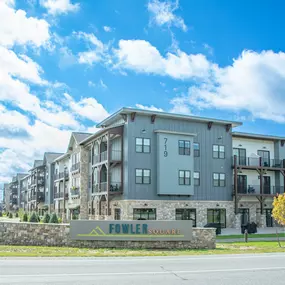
column 266, row 184
column 242, row 184
column 265, row 157
column 269, row 219
column 241, row 155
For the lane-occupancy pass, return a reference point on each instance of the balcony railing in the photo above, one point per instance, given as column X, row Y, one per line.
column 116, row 155
column 58, row 195
column 74, row 192
column 115, row 187
column 66, row 175
column 258, row 162
column 39, row 197
column 75, row 167
column 255, row 189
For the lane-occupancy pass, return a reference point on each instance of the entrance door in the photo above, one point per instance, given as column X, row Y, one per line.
column 242, row 184
column 266, row 184
column 269, row 219
column 217, row 216
column 244, row 216
column 241, row 155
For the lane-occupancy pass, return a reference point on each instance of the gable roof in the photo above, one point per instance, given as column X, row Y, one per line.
column 49, row 157
column 38, row 163
column 116, row 116
column 78, row 137
column 257, row 136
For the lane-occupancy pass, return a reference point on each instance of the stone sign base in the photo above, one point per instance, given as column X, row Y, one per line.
column 59, row 235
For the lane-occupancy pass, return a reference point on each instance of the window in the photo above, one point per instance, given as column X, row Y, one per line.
column 143, row 145
column 196, row 178
column 184, row 147
column 218, row 151
column 196, row 147
column 184, row 177
column 186, row 214
column 117, row 214
column 144, row 214
column 142, row 176
column 219, row 179
column 217, row 216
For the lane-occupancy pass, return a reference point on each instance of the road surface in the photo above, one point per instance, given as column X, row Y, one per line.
column 260, row 269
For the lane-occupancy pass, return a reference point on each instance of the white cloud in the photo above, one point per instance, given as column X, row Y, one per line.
column 162, row 13
column 91, row 83
column 253, row 83
column 101, row 84
column 150, row 108
column 107, row 29
column 17, row 28
column 180, row 105
column 97, row 50
column 57, row 7
column 87, row 108
column 141, row 56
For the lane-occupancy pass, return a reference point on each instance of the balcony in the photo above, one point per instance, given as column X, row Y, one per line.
column 255, row 190
column 39, row 197
column 115, row 187
column 58, row 195
column 254, row 162
column 116, row 155
column 74, row 192
column 66, row 175
column 75, row 167
column 41, row 182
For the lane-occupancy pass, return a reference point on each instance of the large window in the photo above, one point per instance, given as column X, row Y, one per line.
column 217, row 216
column 184, row 177
column 196, row 178
column 143, row 145
column 196, row 147
column 142, row 176
column 144, row 214
column 186, row 214
column 218, row 151
column 219, row 179
column 184, row 147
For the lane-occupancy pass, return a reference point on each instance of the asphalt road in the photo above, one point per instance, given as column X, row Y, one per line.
column 263, row 269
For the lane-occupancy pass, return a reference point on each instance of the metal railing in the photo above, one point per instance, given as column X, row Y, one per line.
column 74, row 192
column 259, row 162
column 255, row 189
column 102, row 187
column 75, row 166
column 58, row 195
column 116, row 155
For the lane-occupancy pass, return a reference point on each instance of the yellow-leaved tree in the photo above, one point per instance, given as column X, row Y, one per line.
column 278, row 212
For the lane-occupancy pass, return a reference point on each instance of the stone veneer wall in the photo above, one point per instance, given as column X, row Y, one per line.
column 58, row 235
column 165, row 210
column 83, row 183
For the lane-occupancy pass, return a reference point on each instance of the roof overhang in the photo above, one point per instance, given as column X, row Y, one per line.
column 113, row 118
column 257, row 136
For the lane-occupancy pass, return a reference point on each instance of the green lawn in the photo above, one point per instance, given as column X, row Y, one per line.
column 281, row 234
column 222, row 248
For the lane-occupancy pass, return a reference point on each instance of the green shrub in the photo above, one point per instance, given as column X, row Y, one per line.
column 10, row 215
column 60, row 220
column 16, row 215
column 7, row 214
column 25, row 217
column 1, row 215
column 53, row 219
column 46, row 218
column 21, row 213
column 34, row 218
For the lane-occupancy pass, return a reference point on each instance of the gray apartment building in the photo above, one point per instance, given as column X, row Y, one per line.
column 154, row 165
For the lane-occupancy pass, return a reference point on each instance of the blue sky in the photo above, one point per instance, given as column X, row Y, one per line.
column 66, row 64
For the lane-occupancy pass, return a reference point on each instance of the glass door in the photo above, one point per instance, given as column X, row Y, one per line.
column 266, row 184
column 241, row 155
column 265, row 157
column 244, row 216
column 217, row 216
column 242, row 184
column 269, row 219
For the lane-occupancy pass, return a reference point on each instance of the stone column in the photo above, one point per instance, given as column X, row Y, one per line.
column 262, row 221
column 83, row 184
column 237, row 221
